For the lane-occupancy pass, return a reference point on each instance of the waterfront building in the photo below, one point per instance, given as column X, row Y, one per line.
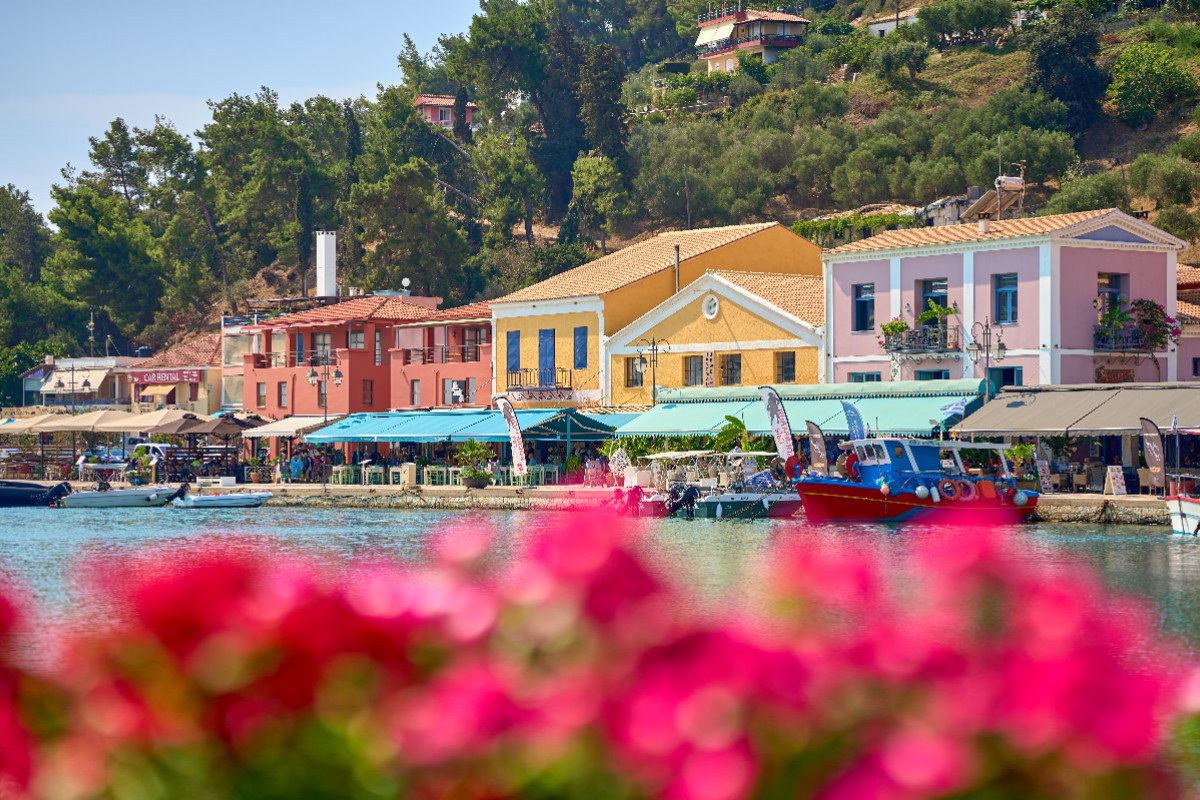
column 83, row 382
column 725, row 329
column 1048, row 288
column 1187, row 312
column 552, row 337
column 186, row 377
column 765, row 35
column 443, row 360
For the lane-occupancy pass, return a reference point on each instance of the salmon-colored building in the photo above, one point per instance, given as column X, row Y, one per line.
column 444, row 360
column 438, row 109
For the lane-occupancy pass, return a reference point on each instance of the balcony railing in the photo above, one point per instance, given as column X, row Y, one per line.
column 924, row 339
column 445, row 354
column 533, row 378
column 1116, row 339
column 763, row 38
column 291, row 359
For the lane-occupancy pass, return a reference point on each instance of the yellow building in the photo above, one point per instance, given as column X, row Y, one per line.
column 726, row 329
column 187, row 377
column 551, row 338
column 766, row 35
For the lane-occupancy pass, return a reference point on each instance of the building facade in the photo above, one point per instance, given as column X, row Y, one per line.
column 438, row 110
column 1051, row 289
column 444, row 360
column 186, row 377
column 762, row 34
column 551, row 337
column 84, row 382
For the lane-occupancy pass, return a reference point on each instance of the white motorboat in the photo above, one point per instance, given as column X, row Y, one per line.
column 1185, row 514
column 239, row 500
column 142, row 496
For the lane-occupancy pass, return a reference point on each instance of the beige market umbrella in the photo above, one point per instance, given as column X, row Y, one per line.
column 146, row 422
column 83, row 423
column 28, row 424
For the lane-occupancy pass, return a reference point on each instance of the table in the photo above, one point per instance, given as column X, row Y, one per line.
column 373, row 474
column 347, row 473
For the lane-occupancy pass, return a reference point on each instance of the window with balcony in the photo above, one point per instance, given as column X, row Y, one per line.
column 633, row 375
column 356, row 340
column 785, row 367
column 1109, row 286
column 514, row 351
column 933, row 375
column 281, row 394
column 581, row 347
column 415, row 394
column 472, row 339
column 298, row 346
column 731, row 369
column 935, row 291
column 1005, row 291
column 865, row 377
column 322, row 344
column 693, row 370
column 260, row 395
column 864, row 306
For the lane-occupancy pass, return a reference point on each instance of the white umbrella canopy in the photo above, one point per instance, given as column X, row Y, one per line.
column 145, row 422
column 28, row 424
column 83, row 423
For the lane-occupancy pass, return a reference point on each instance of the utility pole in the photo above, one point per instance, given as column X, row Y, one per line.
column 687, row 199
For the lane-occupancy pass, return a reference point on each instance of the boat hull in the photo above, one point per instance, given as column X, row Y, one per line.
column 729, row 507
column 828, row 501
column 243, row 500
column 15, row 494
column 1185, row 514
column 120, row 498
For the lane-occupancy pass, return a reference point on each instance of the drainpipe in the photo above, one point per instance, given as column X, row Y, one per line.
column 676, row 269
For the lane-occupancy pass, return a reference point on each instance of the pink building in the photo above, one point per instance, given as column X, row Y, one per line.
column 438, row 109
column 1041, row 283
column 444, row 360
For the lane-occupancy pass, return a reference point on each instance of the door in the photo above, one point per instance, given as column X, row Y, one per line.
column 546, row 358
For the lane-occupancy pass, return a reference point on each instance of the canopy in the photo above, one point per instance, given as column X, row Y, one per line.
column 286, row 427
column 21, row 425
column 226, row 426
column 1097, row 409
column 453, row 425
column 73, row 378
column 178, row 427
column 714, row 33
column 146, row 422
column 157, row 390
column 685, row 419
column 82, row 422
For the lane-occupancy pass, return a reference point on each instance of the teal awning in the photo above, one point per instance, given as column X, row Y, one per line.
column 483, row 425
column 684, row 419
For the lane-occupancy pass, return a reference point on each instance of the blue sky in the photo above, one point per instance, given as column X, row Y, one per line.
column 71, row 67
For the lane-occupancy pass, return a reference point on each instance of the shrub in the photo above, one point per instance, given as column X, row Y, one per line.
column 1188, row 147
column 1103, row 190
column 1146, row 77
column 1167, row 180
column 1178, row 221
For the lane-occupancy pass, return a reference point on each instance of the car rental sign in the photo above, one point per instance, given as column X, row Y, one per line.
column 165, row 376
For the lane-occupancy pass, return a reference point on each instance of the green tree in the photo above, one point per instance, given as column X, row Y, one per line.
column 753, row 67
column 1168, row 180
column 513, row 189
column 1102, row 190
column 1062, row 62
column 600, row 108
column 1146, row 77
column 423, row 74
column 894, row 54
column 1178, row 221
column 600, row 196
column 462, row 128
column 115, row 156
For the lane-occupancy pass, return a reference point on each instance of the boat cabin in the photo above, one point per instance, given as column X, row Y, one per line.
column 875, row 459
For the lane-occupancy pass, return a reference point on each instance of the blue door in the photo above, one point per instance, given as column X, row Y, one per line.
column 546, row 358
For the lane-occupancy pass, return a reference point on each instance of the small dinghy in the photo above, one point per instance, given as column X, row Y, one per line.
column 142, row 496
column 20, row 493
column 241, row 500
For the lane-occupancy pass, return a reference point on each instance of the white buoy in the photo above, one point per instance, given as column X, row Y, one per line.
column 718, row 510
column 1020, row 498
column 922, row 492
column 766, row 503
column 933, row 492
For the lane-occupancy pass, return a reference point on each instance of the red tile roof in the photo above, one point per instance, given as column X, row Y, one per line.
column 1187, row 277
column 202, row 352
column 801, row 296
column 438, row 100
column 473, row 311
column 753, row 13
column 1187, row 311
column 358, row 309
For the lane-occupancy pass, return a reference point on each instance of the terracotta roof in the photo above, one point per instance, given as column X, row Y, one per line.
column 1187, row 277
column 801, row 296
column 1187, row 311
column 473, row 311
column 372, row 307
column 956, row 234
column 202, row 352
column 753, row 13
column 632, row 263
column 438, row 100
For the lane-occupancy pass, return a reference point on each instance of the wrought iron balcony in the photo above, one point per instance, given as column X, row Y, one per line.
column 446, row 354
column 1111, row 338
column 533, row 378
column 764, row 38
column 925, row 339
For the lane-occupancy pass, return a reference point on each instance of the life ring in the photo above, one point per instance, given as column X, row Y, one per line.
column 967, row 490
column 948, row 489
column 852, row 468
column 794, row 467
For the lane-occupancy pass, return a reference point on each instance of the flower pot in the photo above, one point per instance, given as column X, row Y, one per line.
column 477, row 483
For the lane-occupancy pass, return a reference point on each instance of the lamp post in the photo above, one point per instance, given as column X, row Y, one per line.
column 86, row 386
column 982, row 331
column 653, row 346
column 323, row 378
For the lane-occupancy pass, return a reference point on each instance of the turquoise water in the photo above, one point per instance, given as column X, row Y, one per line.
column 43, row 550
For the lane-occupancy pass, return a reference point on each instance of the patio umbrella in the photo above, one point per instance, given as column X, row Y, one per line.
column 179, row 427
column 227, row 426
column 21, row 425
column 150, row 421
column 82, row 423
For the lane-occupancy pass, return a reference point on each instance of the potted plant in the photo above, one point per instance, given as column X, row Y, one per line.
column 473, row 457
column 254, row 462
column 893, row 332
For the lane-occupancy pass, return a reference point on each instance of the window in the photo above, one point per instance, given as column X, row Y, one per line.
column 933, row 374
column 864, row 306
column 1196, row 367
column 281, row 394
column 514, row 351
column 356, row 340
column 785, row 367
column 1005, row 289
column 455, row 392
column 865, row 377
column 298, row 345
column 378, row 347
column 322, row 344
column 322, row 396
column 445, row 115
column 693, row 370
column 416, row 393
column 1005, row 376
column 633, row 372
column 261, row 395
column 472, row 338
column 193, row 392
column 1108, row 291
column 731, row 369
column 368, row 393
column 934, row 291
column 581, row 347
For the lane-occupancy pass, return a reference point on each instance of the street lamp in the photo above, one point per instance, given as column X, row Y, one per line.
column 86, row 386
column 982, row 331
column 323, row 378
column 653, row 346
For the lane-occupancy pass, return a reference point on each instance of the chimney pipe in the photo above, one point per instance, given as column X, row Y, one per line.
column 676, row 269
column 326, row 264
column 985, row 223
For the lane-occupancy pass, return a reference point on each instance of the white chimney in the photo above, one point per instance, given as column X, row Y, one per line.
column 985, row 223
column 326, row 263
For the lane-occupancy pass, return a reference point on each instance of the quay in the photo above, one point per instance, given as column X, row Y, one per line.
column 1057, row 508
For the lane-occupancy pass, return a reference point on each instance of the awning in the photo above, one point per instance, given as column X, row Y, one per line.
column 714, row 33
column 1032, row 411
column 483, row 425
column 1122, row 413
column 1094, row 409
column 76, row 378
column 286, row 427
column 685, row 419
column 157, row 390
column 146, row 422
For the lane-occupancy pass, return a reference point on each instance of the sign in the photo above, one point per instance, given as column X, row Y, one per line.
column 1152, row 446
column 854, row 421
column 1043, row 468
column 164, row 376
column 777, row 416
column 1114, row 481
column 817, row 457
column 514, row 435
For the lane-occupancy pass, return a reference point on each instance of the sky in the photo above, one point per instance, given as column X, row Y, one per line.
column 72, row 66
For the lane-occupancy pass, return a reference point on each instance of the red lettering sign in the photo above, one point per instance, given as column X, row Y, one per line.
column 164, row 376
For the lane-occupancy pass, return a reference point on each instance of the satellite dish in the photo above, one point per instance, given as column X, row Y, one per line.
column 405, row 283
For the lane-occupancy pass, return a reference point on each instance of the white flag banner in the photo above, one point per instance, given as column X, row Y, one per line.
column 514, row 435
column 777, row 416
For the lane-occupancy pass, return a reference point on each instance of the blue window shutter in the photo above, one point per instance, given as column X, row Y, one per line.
column 514, row 351
column 581, row 347
column 546, row 373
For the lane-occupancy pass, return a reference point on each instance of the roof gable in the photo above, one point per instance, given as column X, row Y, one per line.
column 1113, row 233
column 202, row 352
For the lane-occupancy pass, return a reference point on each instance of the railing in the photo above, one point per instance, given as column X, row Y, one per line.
column 763, row 38
column 1110, row 338
column 532, row 378
column 924, row 339
column 291, row 359
column 444, row 354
